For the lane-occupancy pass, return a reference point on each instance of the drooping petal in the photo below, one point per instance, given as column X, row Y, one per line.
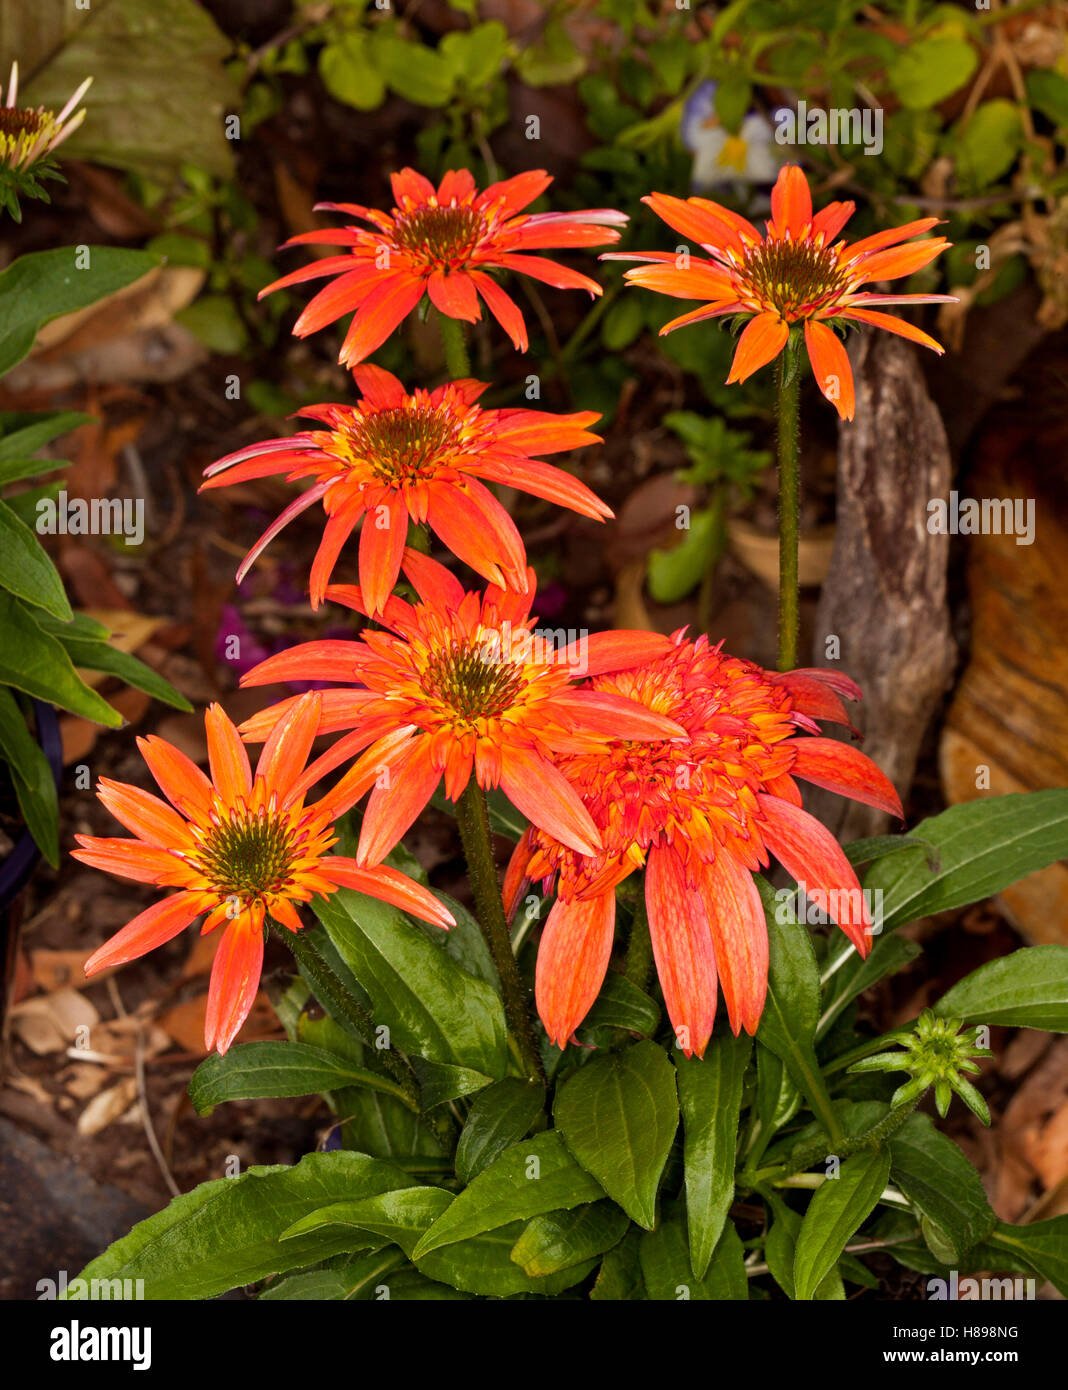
column 503, row 308
column 235, row 979
column 763, row 338
column 895, row 325
column 454, row 295
column 389, row 302
column 381, row 547
column 739, row 938
column 339, row 527
column 830, row 366
column 682, row 948
column 573, row 957
column 809, row 852
column 477, row 529
column 156, row 925
column 841, row 768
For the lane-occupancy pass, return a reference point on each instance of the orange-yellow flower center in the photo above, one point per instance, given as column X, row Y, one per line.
column 471, row 682
column 249, row 855
column 794, row 278
column 398, row 445
column 442, row 237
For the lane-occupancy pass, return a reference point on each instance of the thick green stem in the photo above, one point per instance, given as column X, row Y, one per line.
column 788, row 382
column 457, row 362
column 473, row 819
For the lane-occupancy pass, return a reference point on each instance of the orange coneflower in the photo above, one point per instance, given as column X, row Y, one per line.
column 700, row 816
column 442, row 242
column 395, row 456
column 463, row 685
column 238, row 846
column 797, row 273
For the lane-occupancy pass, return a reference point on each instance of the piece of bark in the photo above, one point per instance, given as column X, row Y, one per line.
column 885, row 594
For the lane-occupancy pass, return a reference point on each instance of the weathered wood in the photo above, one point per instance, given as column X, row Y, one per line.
column 885, row 594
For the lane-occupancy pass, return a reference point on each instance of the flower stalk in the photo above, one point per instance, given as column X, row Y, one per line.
column 472, row 817
column 788, row 409
column 457, row 358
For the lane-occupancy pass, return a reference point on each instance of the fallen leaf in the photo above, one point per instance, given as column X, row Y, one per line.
column 106, row 1107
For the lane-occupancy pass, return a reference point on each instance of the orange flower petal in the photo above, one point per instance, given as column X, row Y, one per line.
column 235, row 979
column 739, row 938
column 791, row 203
column 156, row 925
column 573, row 956
column 394, row 805
column 846, row 770
column 895, row 325
column 545, row 797
column 227, row 756
column 682, row 948
column 830, row 366
column 178, row 777
column 763, row 338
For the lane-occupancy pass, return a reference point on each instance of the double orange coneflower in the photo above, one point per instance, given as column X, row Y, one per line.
column 623, row 749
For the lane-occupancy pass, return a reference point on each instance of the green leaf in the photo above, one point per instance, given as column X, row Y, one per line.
column 44, row 284
column 791, row 1010
column 1047, row 91
column 226, row 1233
column 417, row 73
column 401, row 1216
column 355, row 1279
column 562, row 1239
column 932, row 69
column 622, row 1004
column 483, row 1265
column 25, row 568
column 160, row 89
column 734, row 96
column 988, row 145
column 668, row 1276
column 476, row 55
column 879, row 846
column 618, row 1115
column 710, row 1096
column 431, row 1006
column 623, row 322
column 500, row 1116
column 620, row 1280
column 837, row 1210
column 1043, row 1246
column 32, row 777
column 440, row 1083
column 674, row 573
column 30, row 432
column 553, row 60
column 216, row 321
column 941, row 1184
column 251, row 1070
column 36, row 664
column 92, row 654
column 780, row 1248
column 1027, row 989
column 529, row 1179
column 349, row 73
column 983, row 846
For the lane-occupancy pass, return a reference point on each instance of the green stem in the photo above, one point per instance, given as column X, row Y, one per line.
column 457, row 362
column 788, row 384
column 472, row 818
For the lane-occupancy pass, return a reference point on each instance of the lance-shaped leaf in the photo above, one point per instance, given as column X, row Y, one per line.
column 251, row 1070
column 669, row 1276
column 561, row 1239
column 226, row 1233
column 838, row 1209
column 1027, row 989
column 401, row 1216
column 941, row 1184
column 536, row 1176
column 710, row 1095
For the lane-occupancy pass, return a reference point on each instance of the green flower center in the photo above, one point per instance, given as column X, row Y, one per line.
column 248, row 856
